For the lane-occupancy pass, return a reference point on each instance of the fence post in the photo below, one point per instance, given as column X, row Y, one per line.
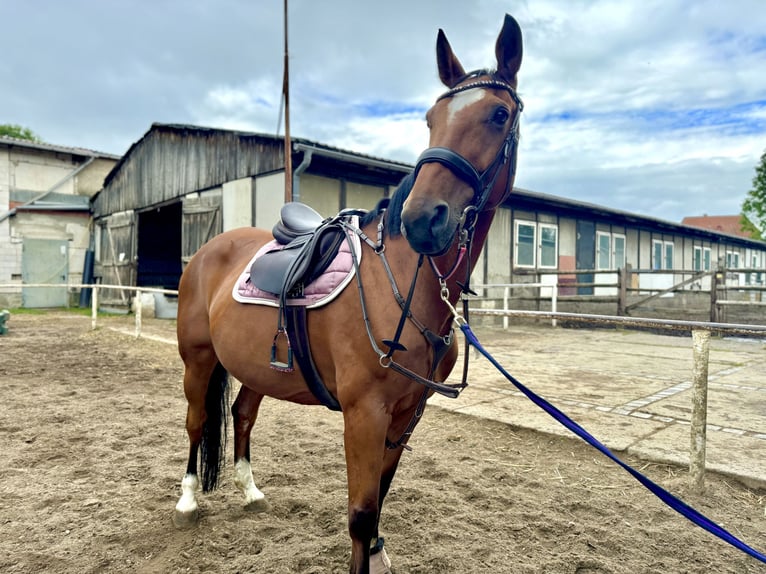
column 622, row 291
column 701, row 353
column 138, row 313
column 506, row 296
column 93, row 307
column 714, row 309
column 554, row 302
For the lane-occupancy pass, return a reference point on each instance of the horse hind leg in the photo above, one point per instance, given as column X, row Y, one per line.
column 244, row 411
column 207, row 392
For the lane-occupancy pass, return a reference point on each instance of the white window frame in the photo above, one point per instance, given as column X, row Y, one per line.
column 669, row 247
column 555, row 228
column 516, row 225
column 603, row 235
column 732, row 259
column 612, row 263
column 615, row 263
column 697, row 261
column 665, row 247
column 706, row 258
column 537, row 251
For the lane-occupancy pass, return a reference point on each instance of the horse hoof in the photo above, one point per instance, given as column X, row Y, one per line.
column 380, row 563
column 257, row 505
column 184, row 520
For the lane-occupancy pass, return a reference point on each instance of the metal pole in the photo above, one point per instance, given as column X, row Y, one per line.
column 286, row 94
column 701, row 352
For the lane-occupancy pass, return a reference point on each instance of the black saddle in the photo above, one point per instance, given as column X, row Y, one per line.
column 310, row 244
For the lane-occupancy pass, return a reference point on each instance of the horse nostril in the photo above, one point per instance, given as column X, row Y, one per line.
column 439, row 219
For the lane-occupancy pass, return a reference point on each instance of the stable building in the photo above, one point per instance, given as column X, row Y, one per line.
column 180, row 185
column 45, row 193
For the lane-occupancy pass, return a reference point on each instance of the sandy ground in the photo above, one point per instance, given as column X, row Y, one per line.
column 94, row 448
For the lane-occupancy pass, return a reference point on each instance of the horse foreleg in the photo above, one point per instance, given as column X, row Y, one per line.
column 379, row 561
column 364, row 440
column 245, row 411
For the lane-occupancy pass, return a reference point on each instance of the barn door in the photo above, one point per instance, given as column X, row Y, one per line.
column 585, row 254
column 201, row 221
column 117, row 261
column 44, row 261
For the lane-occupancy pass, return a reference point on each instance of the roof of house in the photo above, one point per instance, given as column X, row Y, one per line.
column 729, row 224
column 17, row 142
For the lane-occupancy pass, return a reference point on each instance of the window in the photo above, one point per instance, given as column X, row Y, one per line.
column 536, row 245
column 618, row 251
column 525, row 244
column 668, row 255
column 549, row 246
column 701, row 258
column 610, row 250
column 603, row 250
column 732, row 259
column 662, row 254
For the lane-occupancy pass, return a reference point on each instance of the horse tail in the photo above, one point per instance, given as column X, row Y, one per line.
column 214, row 430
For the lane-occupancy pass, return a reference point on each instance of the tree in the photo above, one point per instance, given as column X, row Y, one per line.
column 754, row 206
column 18, row 132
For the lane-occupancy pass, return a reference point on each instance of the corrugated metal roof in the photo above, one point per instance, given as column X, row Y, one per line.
column 16, row 142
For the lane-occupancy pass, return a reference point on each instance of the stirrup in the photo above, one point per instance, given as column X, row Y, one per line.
column 279, row 365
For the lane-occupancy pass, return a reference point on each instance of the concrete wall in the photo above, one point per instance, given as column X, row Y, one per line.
column 237, row 203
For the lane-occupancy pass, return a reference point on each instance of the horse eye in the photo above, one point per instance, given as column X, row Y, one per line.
column 500, row 116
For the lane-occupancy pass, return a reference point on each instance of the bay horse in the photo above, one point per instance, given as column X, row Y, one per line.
column 442, row 212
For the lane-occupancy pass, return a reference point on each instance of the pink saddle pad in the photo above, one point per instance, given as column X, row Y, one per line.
column 321, row 291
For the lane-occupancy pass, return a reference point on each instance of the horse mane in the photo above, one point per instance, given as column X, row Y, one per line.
column 393, row 206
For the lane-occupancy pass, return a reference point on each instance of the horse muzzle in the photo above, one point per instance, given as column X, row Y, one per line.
column 429, row 226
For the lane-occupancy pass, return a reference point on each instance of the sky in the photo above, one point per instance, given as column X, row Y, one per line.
column 656, row 107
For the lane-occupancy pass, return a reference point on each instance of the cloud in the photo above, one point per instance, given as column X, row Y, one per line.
column 651, row 106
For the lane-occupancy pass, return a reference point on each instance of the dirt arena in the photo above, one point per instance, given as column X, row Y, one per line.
column 94, row 448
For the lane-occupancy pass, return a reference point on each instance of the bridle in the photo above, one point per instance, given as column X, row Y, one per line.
column 481, row 183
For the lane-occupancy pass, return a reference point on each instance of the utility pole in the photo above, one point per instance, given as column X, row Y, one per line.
column 286, row 95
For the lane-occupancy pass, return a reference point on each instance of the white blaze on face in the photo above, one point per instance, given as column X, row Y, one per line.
column 462, row 100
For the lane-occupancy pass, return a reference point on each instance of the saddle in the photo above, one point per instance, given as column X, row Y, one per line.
column 309, row 244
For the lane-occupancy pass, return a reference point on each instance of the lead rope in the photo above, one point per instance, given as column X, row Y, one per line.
column 665, row 496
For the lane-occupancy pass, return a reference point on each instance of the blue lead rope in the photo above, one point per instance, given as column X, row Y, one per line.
column 673, row 502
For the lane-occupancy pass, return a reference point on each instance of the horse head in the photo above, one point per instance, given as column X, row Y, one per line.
column 470, row 164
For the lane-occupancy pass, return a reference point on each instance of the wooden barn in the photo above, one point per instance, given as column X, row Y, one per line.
column 180, row 185
column 45, row 219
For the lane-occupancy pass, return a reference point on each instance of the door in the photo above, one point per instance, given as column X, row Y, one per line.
column 117, row 257
column 585, row 252
column 44, row 261
column 200, row 221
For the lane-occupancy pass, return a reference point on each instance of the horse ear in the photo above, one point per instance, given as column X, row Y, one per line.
column 450, row 68
column 508, row 50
